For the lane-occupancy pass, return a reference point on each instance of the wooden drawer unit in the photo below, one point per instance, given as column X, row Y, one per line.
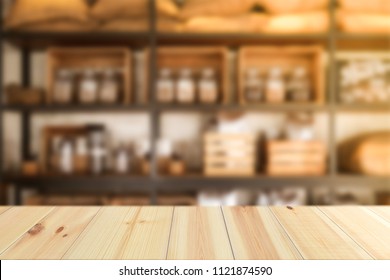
column 229, row 154
column 300, row 158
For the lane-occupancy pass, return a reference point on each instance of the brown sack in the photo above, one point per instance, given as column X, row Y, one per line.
column 314, row 22
column 367, row 154
column 203, row 8
column 248, row 23
column 26, row 12
column 294, row 6
column 105, row 10
column 59, row 26
column 367, row 6
column 354, row 22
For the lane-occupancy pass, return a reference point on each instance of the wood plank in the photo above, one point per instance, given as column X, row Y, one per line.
column 125, row 233
column 316, row 236
column 255, row 234
column 368, row 229
column 53, row 235
column 199, row 233
column 3, row 209
column 17, row 221
column 383, row 211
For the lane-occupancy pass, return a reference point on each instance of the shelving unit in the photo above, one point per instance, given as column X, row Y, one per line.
column 155, row 183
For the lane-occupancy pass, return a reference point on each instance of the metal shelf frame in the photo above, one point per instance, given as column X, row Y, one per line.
column 154, row 183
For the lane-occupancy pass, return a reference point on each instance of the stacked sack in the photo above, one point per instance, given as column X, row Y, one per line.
column 364, row 16
column 80, row 16
column 239, row 16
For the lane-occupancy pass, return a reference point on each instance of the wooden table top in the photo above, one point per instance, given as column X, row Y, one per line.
column 348, row 232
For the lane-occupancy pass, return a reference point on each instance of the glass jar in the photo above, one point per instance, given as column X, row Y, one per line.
column 299, row 86
column 97, row 148
column 185, row 88
column 165, row 87
column 300, row 127
column 208, row 88
column 110, row 87
column 88, row 91
column 253, row 86
column 275, row 89
column 63, row 87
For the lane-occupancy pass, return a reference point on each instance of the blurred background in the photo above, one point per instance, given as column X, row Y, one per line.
column 195, row 102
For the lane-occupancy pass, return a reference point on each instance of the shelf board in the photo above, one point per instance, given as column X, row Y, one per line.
column 45, row 39
column 79, row 183
column 363, row 107
column 256, row 107
column 76, row 108
column 235, row 39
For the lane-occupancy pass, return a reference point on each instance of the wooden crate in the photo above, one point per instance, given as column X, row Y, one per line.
column 287, row 58
column 306, row 158
column 195, row 58
column 229, row 154
column 95, row 58
column 51, row 131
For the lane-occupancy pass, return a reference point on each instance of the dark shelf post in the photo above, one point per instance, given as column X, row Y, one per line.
column 154, row 116
column 25, row 114
column 1, row 94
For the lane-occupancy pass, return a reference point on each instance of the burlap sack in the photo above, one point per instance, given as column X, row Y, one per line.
column 314, row 22
column 203, row 8
column 367, row 6
column 294, row 6
column 26, row 12
column 247, row 23
column 367, row 154
column 59, row 26
column 356, row 22
column 105, row 10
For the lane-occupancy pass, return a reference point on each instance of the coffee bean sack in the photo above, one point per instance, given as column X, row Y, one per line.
column 27, row 12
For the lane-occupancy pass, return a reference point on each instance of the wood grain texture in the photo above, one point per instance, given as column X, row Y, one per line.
column 52, row 236
column 17, row 221
column 125, row 233
column 316, row 236
column 383, row 211
column 199, row 233
column 368, row 229
column 256, row 234
column 3, row 209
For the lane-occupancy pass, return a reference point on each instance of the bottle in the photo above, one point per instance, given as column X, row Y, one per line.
column 66, row 156
column 275, row 89
column 88, row 91
column 185, row 87
column 81, row 163
column 208, row 88
column 63, row 87
column 253, row 86
column 109, row 88
column 98, row 150
column 165, row 87
column 122, row 160
column 299, row 87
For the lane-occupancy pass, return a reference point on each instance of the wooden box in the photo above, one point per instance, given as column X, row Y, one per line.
column 90, row 58
column 229, row 154
column 51, row 131
column 196, row 59
column 305, row 158
column 288, row 57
